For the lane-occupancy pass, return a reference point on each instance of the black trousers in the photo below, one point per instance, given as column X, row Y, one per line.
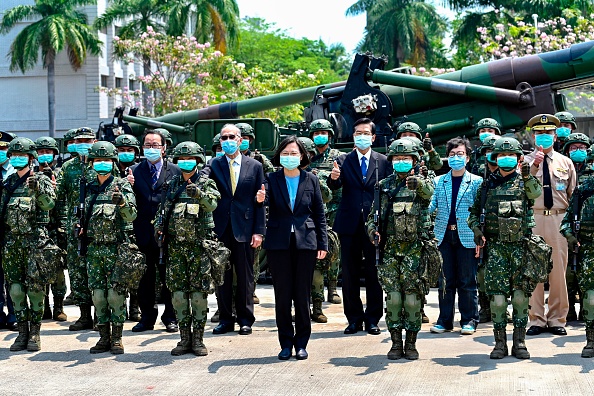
column 146, row 289
column 292, row 273
column 242, row 261
column 353, row 247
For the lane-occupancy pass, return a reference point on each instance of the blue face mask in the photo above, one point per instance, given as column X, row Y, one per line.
column 152, row 154
column 83, row 148
column 19, row 162
column 484, row 135
column 229, row 146
column 363, row 141
column 45, row 158
column 187, row 165
column 578, row 155
column 72, row 148
column 219, row 154
column 320, row 140
column 563, row 132
column 245, row 144
column 402, row 166
column 290, row 162
column 545, row 140
column 457, row 163
column 103, row 168
column 3, row 156
column 126, row 157
column 507, row 163
column 489, row 158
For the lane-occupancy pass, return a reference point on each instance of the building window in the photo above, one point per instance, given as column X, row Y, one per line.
column 131, row 86
column 103, row 81
column 118, row 82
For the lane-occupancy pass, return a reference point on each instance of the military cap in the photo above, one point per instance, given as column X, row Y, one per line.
column 544, row 122
column 6, row 138
column 84, row 133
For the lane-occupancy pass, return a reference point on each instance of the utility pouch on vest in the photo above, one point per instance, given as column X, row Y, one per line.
column 510, row 221
column 183, row 221
column 405, row 221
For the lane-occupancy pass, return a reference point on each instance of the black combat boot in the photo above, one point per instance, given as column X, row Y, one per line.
column 34, row 343
column 197, row 341
column 410, row 347
column 215, row 317
column 317, row 315
column 20, row 343
column 117, row 346
column 104, row 343
column 519, row 349
column 85, row 322
column 333, row 296
column 185, row 345
column 500, row 351
column 397, row 351
column 485, row 308
column 59, row 314
column 588, row 350
column 134, row 314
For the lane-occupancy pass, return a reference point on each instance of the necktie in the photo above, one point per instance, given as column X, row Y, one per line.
column 232, row 175
column 154, row 175
column 546, row 184
column 364, row 167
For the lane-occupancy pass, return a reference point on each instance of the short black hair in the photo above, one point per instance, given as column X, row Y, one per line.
column 154, row 132
column 288, row 140
column 365, row 121
column 458, row 141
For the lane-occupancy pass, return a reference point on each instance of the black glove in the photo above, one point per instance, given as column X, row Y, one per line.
column 478, row 237
column 424, row 171
column 258, row 157
column 427, row 145
column 412, row 183
column 193, row 191
column 33, row 183
column 525, row 170
column 572, row 242
column 117, row 198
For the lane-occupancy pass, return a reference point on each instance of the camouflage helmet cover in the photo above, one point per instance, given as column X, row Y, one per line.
column 46, row 142
column 103, row 150
column 22, row 145
column 576, row 138
column 246, row 129
column 488, row 123
column 320, row 124
column 188, row 149
column 409, row 127
column 403, row 147
column 507, row 145
column 489, row 143
column 567, row 117
column 127, row 140
column 310, row 146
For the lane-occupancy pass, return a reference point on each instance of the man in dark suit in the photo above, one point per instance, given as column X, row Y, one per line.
column 355, row 172
column 150, row 177
column 239, row 224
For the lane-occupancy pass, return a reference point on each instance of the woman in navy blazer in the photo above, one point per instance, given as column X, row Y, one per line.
column 295, row 238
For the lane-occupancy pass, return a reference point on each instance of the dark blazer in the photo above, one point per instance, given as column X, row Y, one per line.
column 247, row 217
column 307, row 215
column 357, row 195
column 149, row 198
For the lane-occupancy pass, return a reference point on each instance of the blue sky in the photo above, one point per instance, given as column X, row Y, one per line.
column 314, row 19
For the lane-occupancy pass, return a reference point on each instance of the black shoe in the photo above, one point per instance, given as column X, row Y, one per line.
column 140, row 327
column 535, row 330
column 353, row 328
column 301, row 354
column 171, row 327
column 223, row 328
column 373, row 329
column 557, row 330
column 285, row 354
column 245, row 330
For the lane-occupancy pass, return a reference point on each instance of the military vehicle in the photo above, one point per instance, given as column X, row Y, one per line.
column 511, row 90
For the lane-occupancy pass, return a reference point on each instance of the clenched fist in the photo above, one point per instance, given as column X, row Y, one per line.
column 116, row 197
column 412, row 183
column 33, row 183
column 525, row 170
column 192, row 190
column 427, row 144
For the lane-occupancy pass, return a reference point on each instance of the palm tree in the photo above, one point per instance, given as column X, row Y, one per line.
column 60, row 26
column 215, row 20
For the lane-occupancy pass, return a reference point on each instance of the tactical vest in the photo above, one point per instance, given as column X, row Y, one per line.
column 587, row 220
column 326, row 161
column 22, row 215
column 188, row 221
column 508, row 212
column 105, row 223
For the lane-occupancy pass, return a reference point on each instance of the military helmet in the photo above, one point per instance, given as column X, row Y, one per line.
column 166, row 134
column 417, row 143
column 403, row 147
column 320, row 125
column 489, row 143
column 409, row 127
column 104, row 150
column 188, row 149
column 507, row 145
column 46, row 142
column 216, row 142
column 310, row 146
column 22, row 145
column 576, row 138
column 127, row 141
column 567, row 117
column 84, row 133
column 68, row 136
column 488, row 123
column 246, row 129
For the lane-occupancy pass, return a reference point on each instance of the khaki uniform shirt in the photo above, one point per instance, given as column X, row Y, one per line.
column 563, row 180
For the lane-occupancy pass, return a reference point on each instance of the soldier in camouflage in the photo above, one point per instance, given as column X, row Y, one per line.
column 567, row 126
column 578, row 228
column 184, row 221
column 505, row 202
column 110, row 210
column 577, row 147
column 26, row 200
column 485, row 128
column 48, row 151
column 431, row 157
column 168, row 141
column 321, row 133
column 403, row 223
column 68, row 191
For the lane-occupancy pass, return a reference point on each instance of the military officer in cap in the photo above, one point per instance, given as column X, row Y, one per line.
column 432, row 159
column 557, row 175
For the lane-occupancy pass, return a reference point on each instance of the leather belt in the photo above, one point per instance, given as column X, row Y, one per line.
column 452, row 227
column 549, row 212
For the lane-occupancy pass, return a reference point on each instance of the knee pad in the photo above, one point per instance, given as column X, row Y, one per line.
column 412, row 302
column 114, row 298
column 588, row 301
column 178, row 298
column 519, row 299
column 17, row 291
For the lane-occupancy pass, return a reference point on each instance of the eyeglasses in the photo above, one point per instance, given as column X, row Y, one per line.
column 291, row 153
column 458, row 154
column 153, row 146
column 574, row 148
column 362, row 134
column 228, row 137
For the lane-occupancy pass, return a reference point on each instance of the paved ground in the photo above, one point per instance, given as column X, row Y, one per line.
column 450, row 363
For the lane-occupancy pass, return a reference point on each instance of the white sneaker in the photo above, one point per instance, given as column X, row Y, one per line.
column 438, row 329
column 467, row 329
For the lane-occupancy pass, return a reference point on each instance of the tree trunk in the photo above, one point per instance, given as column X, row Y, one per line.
column 51, row 97
column 147, row 108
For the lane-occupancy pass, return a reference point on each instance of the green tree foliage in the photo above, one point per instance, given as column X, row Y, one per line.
column 58, row 26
